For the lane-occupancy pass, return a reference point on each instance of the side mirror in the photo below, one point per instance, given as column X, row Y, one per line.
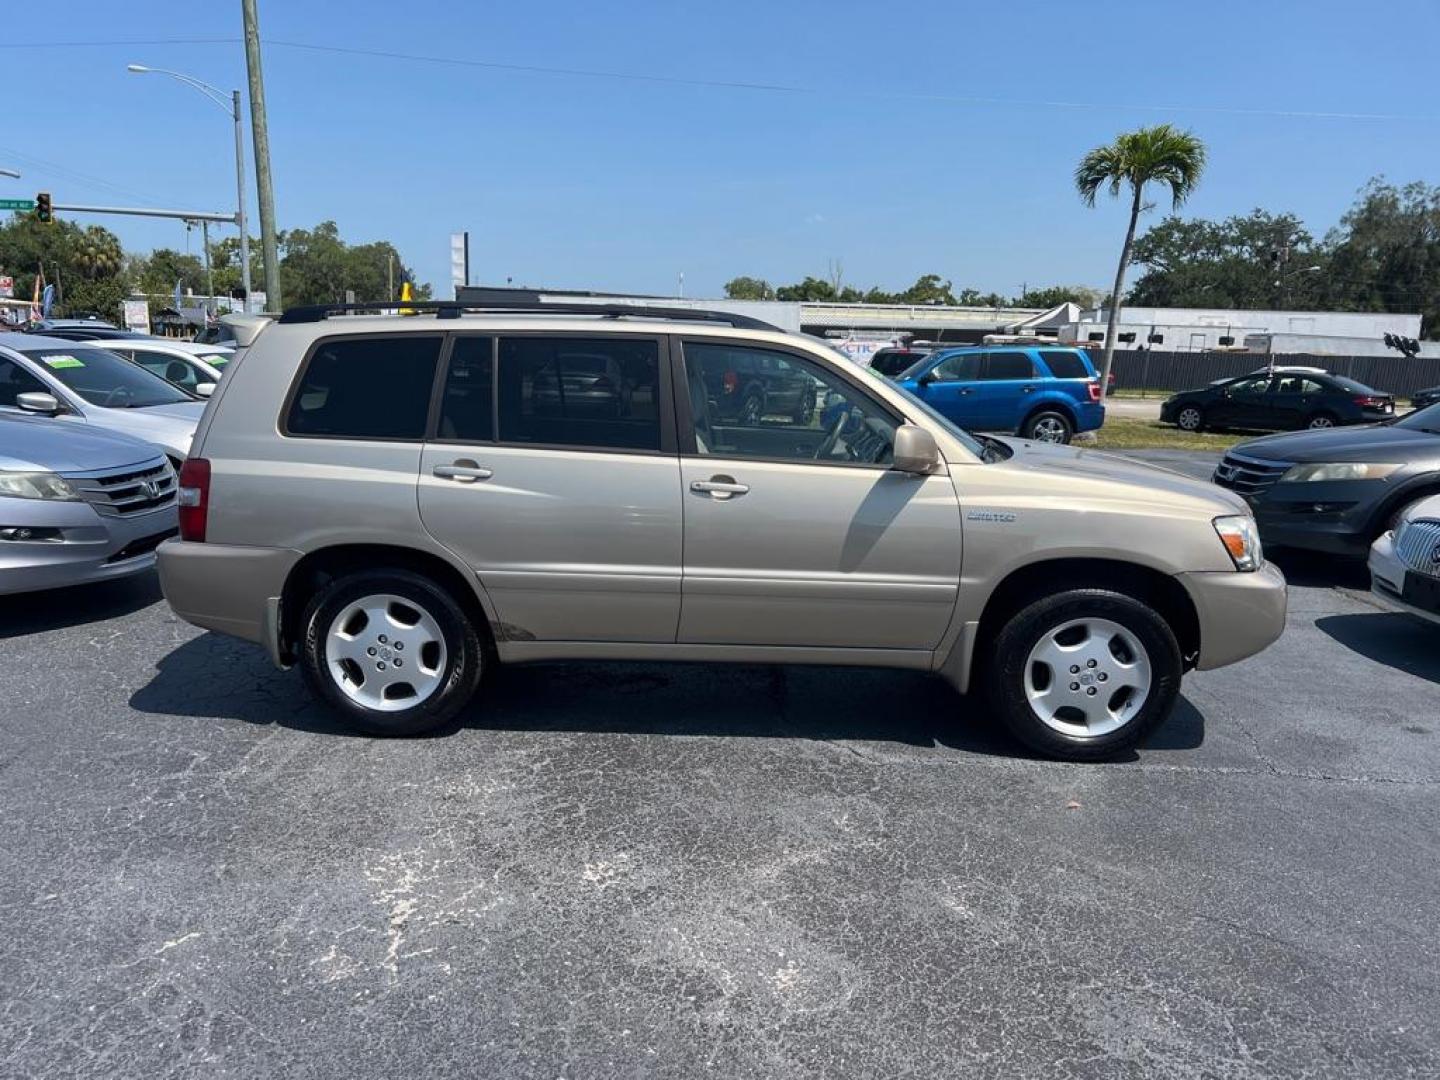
column 205, row 389
column 38, row 401
column 915, row 450
column 927, row 378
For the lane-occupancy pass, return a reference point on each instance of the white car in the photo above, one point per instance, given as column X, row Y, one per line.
column 1405, row 563
column 193, row 368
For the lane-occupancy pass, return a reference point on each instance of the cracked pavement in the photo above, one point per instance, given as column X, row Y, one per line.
column 620, row 870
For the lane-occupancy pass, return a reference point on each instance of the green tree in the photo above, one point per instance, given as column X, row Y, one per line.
column 317, row 267
column 1160, row 155
column 749, row 288
column 1230, row 263
column 86, row 265
column 928, row 289
column 158, row 272
column 1385, row 253
column 812, row 289
column 1055, row 295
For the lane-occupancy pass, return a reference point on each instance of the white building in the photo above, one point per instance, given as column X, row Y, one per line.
column 1341, row 333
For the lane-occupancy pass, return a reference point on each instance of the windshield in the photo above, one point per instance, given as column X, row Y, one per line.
column 102, row 378
column 1427, row 420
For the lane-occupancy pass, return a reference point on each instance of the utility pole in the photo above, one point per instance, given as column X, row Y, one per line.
column 390, row 279
column 264, row 189
column 240, row 216
column 209, row 273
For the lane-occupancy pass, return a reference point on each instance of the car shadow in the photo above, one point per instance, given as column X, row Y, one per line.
column 214, row 676
column 57, row 609
column 1393, row 639
column 1314, row 569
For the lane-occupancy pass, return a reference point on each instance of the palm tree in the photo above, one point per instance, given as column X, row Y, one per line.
column 1162, row 155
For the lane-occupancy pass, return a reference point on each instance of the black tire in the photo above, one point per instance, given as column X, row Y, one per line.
column 1321, row 421
column 1005, row 680
column 1190, row 418
column 464, row 653
column 1048, row 425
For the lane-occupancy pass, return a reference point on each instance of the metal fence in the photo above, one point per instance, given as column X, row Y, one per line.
column 1157, row 370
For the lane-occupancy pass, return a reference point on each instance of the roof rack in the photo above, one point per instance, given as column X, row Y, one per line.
column 452, row 309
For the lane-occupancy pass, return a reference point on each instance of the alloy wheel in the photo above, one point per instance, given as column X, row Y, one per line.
column 1048, row 429
column 1087, row 677
column 385, row 652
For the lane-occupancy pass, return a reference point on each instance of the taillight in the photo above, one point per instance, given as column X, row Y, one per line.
column 1094, row 390
column 194, row 499
column 731, row 382
column 1367, row 401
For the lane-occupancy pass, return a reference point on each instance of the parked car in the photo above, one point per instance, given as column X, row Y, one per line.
column 1045, row 394
column 1405, row 562
column 83, row 330
column 376, row 499
column 890, row 362
column 749, row 386
column 1285, row 400
column 85, row 384
column 217, row 334
column 193, row 368
column 1422, row 398
column 78, row 504
column 1336, row 490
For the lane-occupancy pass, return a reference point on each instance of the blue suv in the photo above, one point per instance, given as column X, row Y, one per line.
column 1040, row 393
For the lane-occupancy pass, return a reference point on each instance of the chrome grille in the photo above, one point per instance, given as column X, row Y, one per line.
column 1417, row 545
column 1248, row 476
column 135, row 490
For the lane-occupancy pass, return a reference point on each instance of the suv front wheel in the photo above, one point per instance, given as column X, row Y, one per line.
column 1085, row 674
column 391, row 651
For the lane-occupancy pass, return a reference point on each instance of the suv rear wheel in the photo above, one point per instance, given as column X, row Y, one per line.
column 1084, row 674
column 1048, row 426
column 391, row 651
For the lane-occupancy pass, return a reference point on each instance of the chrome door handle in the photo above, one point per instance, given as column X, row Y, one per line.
column 722, row 487
column 968, row 390
column 1028, row 389
column 465, row 473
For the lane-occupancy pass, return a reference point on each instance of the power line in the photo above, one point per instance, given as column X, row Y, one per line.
column 761, row 87
column 84, row 179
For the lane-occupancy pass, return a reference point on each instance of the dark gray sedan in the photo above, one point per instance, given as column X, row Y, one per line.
column 1336, row 490
column 78, row 504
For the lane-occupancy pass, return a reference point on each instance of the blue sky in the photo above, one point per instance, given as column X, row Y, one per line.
column 912, row 138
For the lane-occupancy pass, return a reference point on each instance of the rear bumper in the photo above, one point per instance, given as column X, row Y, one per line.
column 1387, row 580
column 225, row 587
column 1089, row 416
column 1240, row 613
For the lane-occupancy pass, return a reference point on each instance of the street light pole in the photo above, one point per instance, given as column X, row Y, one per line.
column 10, row 173
column 264, row 187
column 231, row 105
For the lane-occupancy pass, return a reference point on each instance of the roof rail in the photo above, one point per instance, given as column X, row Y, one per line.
column 452, row 309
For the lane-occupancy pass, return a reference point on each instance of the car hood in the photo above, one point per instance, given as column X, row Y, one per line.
column 1125, row 477
column 63, row 446
column 170, row 427
column 1365, row 442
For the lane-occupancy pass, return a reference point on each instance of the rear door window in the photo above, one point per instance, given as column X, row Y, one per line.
column 1064, row 364
column 366, row 388
column 1008, row 365
column 592, row 393
column 468, row 401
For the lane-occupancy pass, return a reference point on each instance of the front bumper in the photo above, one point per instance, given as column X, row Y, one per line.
column 91, row 548
column 226, row 587
column 1387, row 580
column 1240, row 613
column 1336, row 517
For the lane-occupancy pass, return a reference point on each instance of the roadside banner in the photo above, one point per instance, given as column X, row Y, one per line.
column 137, row 315
column 7, row 286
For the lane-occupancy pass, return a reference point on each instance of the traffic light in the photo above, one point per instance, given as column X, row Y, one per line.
column 43, row 210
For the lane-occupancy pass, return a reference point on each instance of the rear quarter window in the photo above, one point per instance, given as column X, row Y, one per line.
column 1066, row 365
column 365, row 388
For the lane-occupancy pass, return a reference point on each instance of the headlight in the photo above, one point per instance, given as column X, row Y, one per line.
column 1241, row 540
column 1340, row 470
column 35, row 485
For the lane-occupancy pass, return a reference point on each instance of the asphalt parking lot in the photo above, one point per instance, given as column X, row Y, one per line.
column 619, row 870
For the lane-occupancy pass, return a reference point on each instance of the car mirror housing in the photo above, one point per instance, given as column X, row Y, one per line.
column 915, row 450
column 927, row 378
column 37, row 401
column 205, row 389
